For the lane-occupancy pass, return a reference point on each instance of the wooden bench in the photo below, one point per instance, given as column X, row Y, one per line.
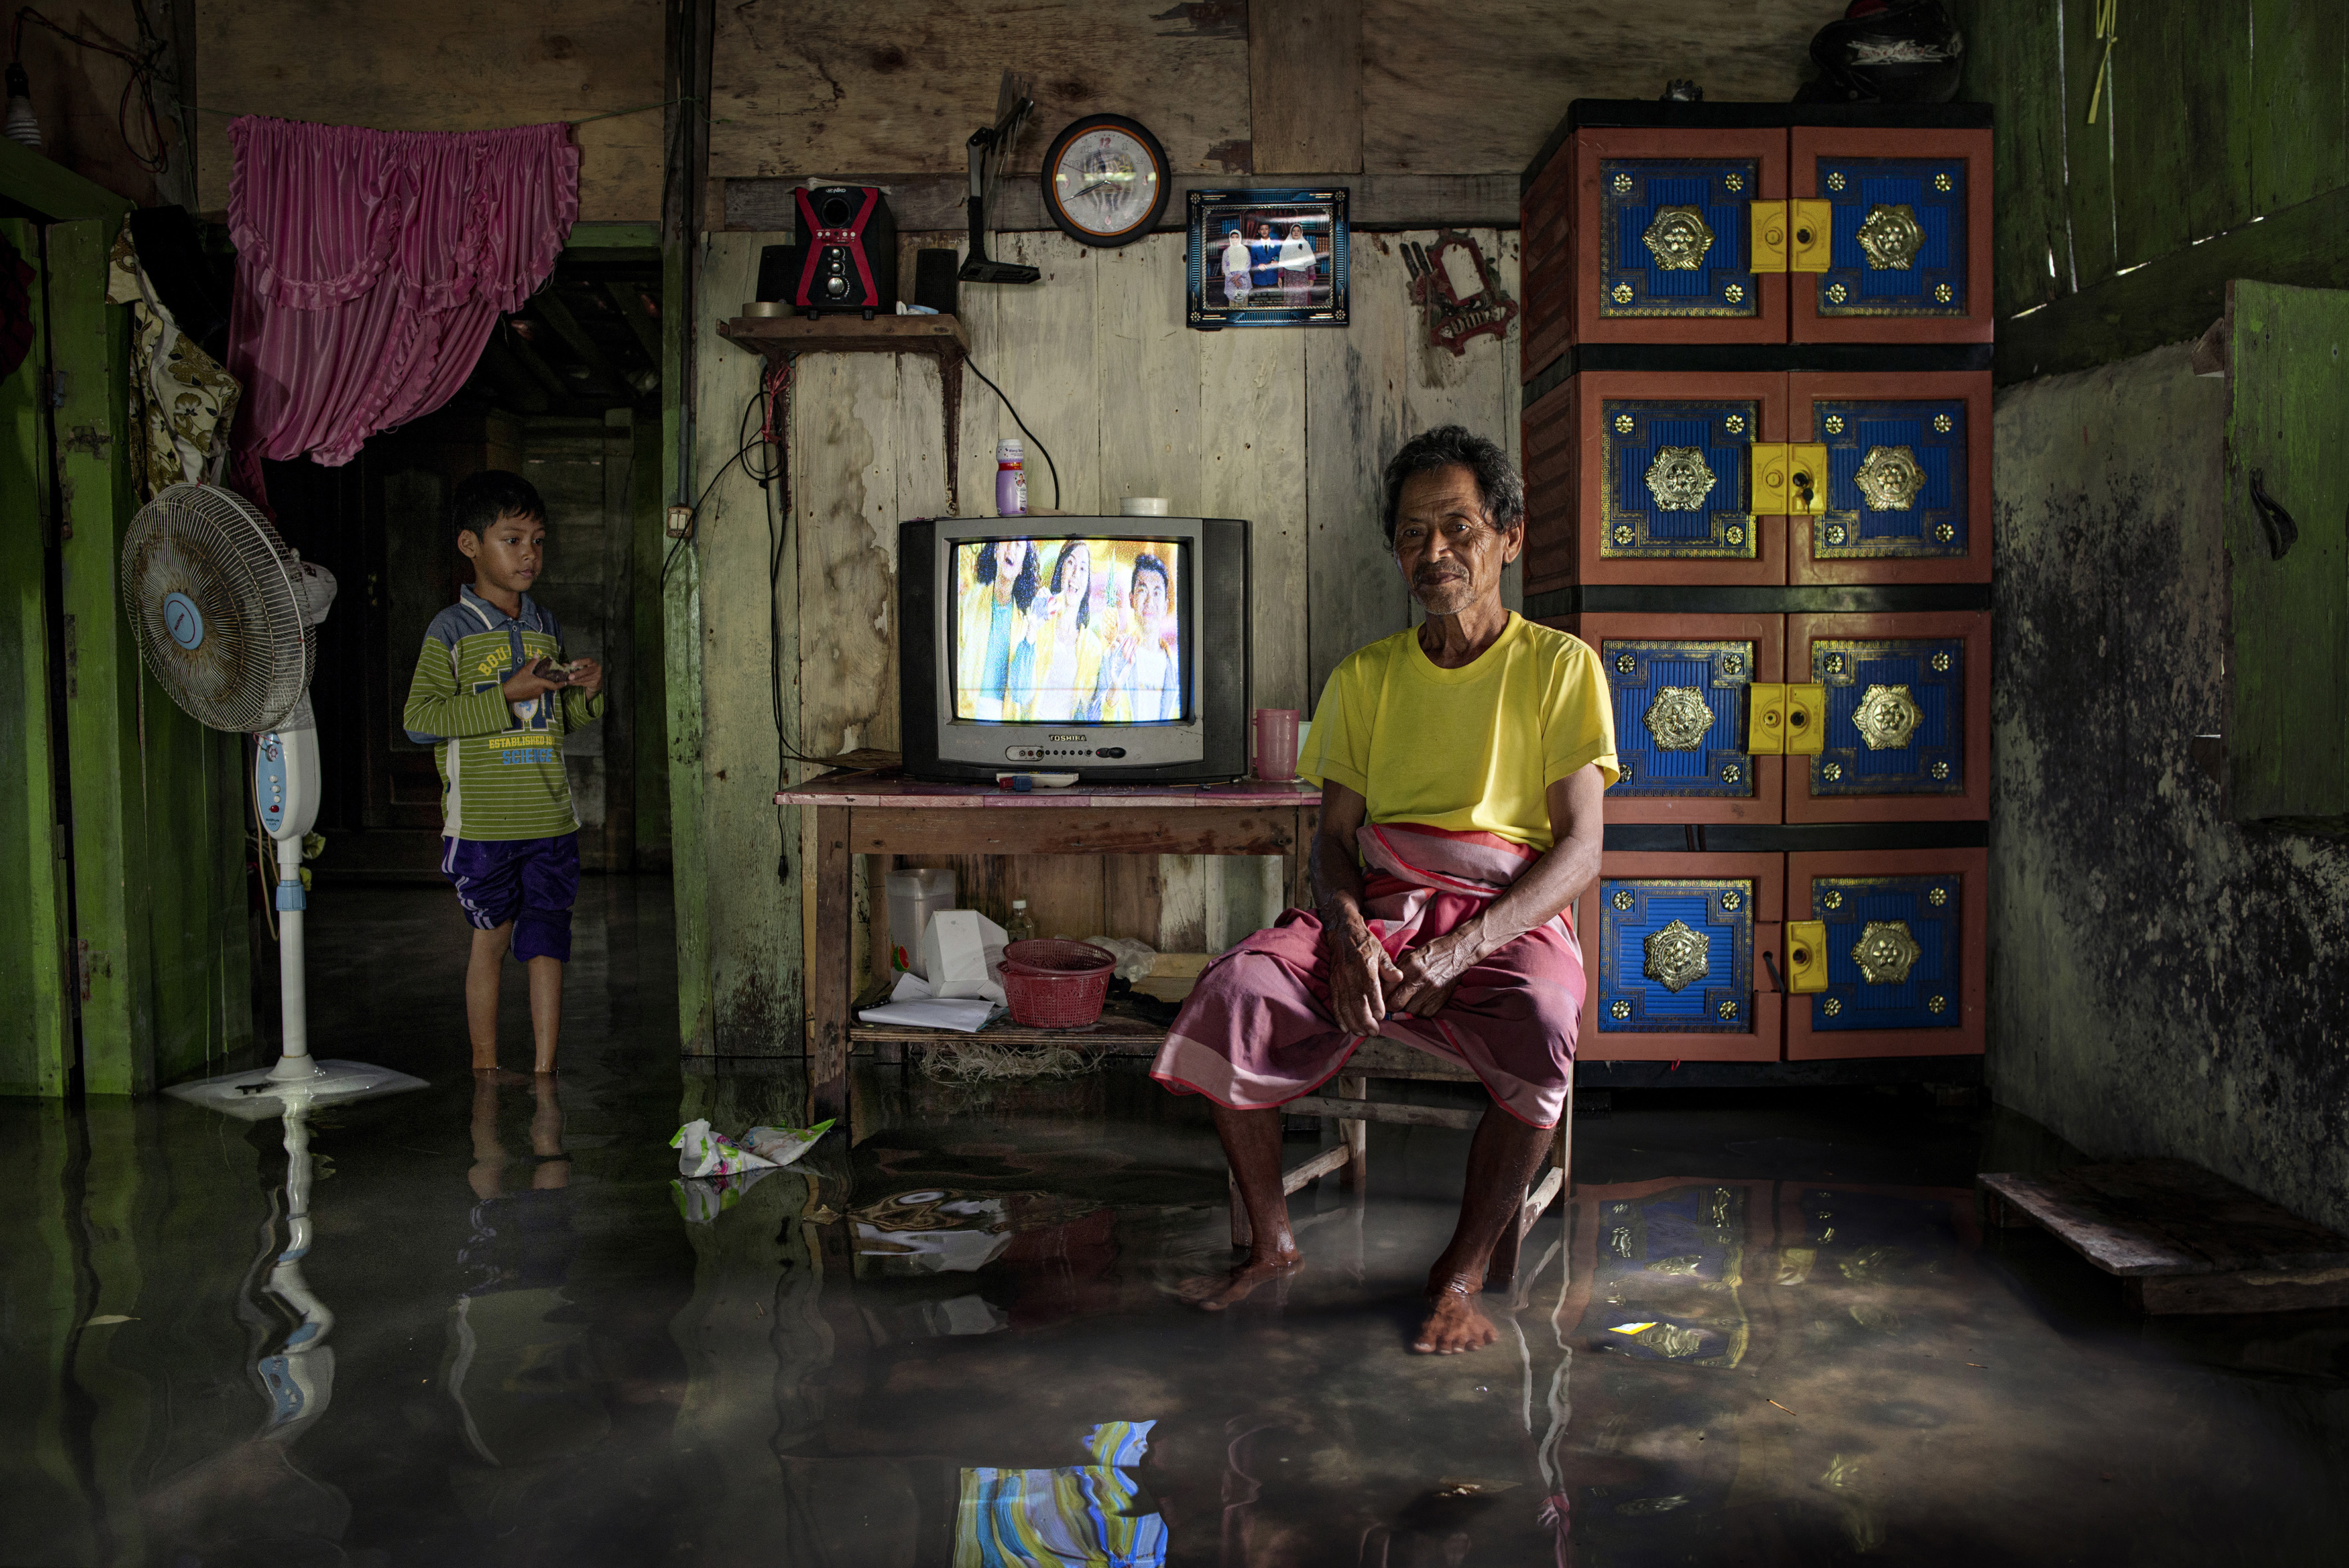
column 1354, row 1111
column 2180, row 1238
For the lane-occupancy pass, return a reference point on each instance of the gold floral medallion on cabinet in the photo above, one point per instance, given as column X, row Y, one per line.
column 1890, row 236
column 1679, row 479
column 1678, row 239
column 1885, row 717
column 1677, row 956
column 1885, row 952
column 1890, row 479
column 1680, row 718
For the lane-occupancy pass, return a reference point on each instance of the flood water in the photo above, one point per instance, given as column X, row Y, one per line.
column 1765, row 1329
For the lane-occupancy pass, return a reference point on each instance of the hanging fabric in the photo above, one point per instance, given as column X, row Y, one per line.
column 181, row 401
column 371, row 266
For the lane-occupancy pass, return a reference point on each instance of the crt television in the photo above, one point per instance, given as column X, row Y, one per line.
column 1111, row 648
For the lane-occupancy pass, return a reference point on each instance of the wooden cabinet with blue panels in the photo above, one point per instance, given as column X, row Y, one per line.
column 1892, row 946
column 1906, row 732
column 1680, row 686
column 1678, row 952
column 1754, row 224
column 1908, row 227
column 1675, row 477
column 1643, row 231
column 1907, row 477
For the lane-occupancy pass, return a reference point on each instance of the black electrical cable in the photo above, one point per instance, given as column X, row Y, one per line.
column 1024, row 430
column 692, row 519
column 142, row 83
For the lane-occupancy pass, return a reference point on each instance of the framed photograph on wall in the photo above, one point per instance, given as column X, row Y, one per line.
column 1265, row 258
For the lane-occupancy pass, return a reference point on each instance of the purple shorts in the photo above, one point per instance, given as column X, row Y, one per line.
column 530, row 881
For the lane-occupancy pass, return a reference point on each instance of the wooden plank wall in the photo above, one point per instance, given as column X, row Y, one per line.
column 836, row 87
column 442, row 65
column 37, row 1053
column 1286, row 427
column 2221, row 148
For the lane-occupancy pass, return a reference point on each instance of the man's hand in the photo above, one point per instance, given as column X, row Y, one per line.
column 1430, row 970
column 533, row 679
column 587, row 676
column 1360, row 973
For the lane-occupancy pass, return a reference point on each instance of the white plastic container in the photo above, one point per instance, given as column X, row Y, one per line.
column 913, row 897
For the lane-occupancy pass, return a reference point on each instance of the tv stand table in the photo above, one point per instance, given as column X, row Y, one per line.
column 878, row 814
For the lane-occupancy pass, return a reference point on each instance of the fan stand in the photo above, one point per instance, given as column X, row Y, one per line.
column 285, row 786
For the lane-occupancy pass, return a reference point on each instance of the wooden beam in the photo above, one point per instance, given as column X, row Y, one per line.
column 548, row 304
column 51, row 191
column 36, row 1055
column 1385, row 1110
column 514, row 383
column 627, row 299
column 527, row 356
column 612, row 237
column 2175, row 298
column 113, row 879
column 1305, row 84
column 925, row 203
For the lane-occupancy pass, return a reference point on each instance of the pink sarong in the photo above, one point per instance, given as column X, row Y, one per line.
column 1259, row 1029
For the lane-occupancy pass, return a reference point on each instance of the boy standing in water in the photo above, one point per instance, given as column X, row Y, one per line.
column 493, row 698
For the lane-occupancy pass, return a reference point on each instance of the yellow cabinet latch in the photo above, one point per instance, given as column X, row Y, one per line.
column 1791, row 236
column 1806, row 955
column 1785, row 720
column 1789, row 481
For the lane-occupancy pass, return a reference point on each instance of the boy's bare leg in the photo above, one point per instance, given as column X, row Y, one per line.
column 1252, row 1146
column 545, row 1009
column 1501, row 1161
column 482, row 973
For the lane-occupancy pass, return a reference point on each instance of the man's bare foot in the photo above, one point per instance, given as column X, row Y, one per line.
column 1217, row 1292
column 1454, row 1323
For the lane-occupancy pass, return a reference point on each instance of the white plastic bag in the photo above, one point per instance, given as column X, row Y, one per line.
column 962, row 954
column 702, row 1151
column 783, row 1144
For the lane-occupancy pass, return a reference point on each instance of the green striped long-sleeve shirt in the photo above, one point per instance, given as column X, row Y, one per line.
column 500, row 763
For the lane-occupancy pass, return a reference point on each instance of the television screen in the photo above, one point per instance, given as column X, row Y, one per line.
column 1069, row 631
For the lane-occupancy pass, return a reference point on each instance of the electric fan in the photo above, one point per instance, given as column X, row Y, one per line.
column 227, row 619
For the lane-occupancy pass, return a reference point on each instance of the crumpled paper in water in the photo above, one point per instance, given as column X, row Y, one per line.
column 704, row 1152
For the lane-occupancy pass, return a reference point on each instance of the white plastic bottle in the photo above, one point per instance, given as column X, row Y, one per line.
column 1010, row 479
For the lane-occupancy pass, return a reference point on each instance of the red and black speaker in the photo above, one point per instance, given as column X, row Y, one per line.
column 847, row 250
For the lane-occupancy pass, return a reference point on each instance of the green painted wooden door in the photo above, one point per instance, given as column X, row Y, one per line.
column 2288, row 557
column 35, row 1055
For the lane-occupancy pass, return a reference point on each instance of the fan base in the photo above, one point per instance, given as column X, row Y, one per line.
column 253, row 1096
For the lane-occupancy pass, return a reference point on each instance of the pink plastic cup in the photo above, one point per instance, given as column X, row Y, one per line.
column 1275, row 744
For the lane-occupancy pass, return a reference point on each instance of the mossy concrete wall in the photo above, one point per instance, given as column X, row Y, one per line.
column 2163, row 981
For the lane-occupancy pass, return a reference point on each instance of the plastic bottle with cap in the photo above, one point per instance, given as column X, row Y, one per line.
column 1023, row 925
column 1010, row 479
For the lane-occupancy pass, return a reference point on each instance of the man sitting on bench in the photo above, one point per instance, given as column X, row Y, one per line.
column 1462, row 767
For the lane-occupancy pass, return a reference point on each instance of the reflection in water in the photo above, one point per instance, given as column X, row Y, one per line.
column 537, row 1360
column 519, row 1366
column 1083, row 1514
column 252, row 1499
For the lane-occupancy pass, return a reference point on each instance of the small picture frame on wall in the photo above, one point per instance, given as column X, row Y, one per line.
column 1265, row 258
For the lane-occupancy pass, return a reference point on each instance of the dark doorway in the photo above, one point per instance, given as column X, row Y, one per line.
column 567, row 395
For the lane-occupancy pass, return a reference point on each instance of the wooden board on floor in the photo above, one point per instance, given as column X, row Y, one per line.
column 2185, row 1239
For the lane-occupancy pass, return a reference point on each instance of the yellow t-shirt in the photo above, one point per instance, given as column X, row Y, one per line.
column 1472, row 749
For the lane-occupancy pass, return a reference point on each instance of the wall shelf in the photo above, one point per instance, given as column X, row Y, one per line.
column 774, row 335
column 782, row 338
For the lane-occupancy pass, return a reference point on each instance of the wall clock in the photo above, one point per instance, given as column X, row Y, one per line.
column 1105, row 179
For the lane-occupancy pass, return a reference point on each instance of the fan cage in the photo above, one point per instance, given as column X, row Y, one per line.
column 257, row 652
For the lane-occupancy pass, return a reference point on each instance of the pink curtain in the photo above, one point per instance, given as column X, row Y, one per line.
column 371, row 266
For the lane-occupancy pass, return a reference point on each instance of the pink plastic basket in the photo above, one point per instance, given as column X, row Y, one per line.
column 1053, row 983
